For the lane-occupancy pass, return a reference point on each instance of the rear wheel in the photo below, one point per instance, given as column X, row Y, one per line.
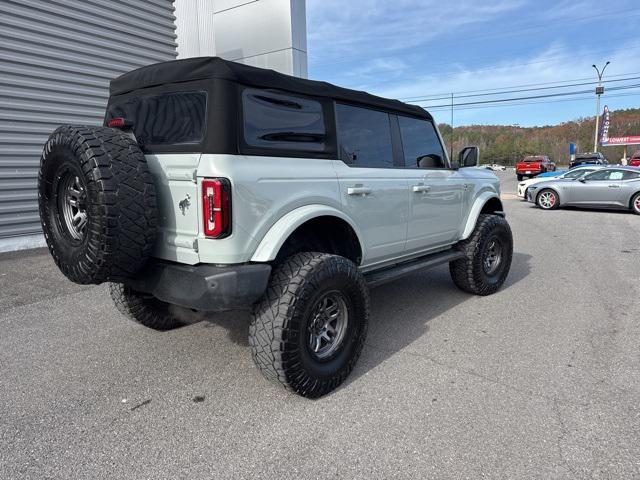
column 308, row 330
column 520, row 177
column 548, row 200
column 144, row 309
column 635, row 204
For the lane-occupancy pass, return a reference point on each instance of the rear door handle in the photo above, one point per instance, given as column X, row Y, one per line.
column 614, row 186
column 421, row 188
column 358, row 191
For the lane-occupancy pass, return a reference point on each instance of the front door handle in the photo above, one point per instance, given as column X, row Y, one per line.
column 421, row 188
column 614, row 186
column 358, row 191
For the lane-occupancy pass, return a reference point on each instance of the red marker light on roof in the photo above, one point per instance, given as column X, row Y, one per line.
column 116, row 122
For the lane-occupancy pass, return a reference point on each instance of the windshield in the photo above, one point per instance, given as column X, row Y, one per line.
column 577, row 173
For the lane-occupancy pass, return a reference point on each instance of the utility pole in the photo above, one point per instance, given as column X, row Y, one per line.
column 451, row 145
column 515, row 127
column 599, row 91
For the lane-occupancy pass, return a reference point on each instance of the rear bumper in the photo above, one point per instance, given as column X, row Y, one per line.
column 204, row 287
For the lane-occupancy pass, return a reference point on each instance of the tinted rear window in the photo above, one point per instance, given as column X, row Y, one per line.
column 279, row 121
column 164, row 119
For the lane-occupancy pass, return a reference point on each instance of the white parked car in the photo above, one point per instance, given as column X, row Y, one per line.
column 573, row 173
column 493, row 167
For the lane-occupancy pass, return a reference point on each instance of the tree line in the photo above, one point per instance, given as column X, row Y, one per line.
column 507, row 144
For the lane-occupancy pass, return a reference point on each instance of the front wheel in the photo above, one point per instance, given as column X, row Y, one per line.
column 635, row 204
column 548, row 200
column 488, row 253
column 308, row 330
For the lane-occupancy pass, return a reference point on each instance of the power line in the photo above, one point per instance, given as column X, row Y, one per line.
column 543, row 102
column 422, row 99
column 530, row 97
column 557, row 83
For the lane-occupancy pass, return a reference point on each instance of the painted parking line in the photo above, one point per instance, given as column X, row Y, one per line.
column 509, row 196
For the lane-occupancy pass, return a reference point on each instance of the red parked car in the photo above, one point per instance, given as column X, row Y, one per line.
column 634, row 161
column 534, row 165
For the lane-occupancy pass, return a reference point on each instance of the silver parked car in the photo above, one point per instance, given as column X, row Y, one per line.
column 611, row 187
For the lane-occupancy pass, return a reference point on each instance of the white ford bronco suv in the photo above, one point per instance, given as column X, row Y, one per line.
column 216, row 186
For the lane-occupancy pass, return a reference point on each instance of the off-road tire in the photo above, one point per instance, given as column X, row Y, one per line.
column 118, row 197
column 635, row 203
column 280, row 326
column 144, row 309
column 468, row 273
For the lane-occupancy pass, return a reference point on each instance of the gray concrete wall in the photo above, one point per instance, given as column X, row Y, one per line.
column 264, row 33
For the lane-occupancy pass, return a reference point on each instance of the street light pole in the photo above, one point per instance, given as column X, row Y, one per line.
column 599, row 91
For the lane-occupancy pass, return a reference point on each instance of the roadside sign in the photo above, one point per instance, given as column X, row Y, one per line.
column 572, row 148
column 630, row 140
column 604, row 126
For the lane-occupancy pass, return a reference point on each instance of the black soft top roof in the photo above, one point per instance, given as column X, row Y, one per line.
column 203, row 68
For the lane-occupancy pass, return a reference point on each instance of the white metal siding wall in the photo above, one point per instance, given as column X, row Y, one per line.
column 56, row 60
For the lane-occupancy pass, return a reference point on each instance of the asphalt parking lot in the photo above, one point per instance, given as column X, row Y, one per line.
column 541, row 380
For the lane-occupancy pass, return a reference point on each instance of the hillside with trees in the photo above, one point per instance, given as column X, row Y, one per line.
column 506, row 144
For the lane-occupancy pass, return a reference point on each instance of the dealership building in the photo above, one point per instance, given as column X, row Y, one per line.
column 58, row 56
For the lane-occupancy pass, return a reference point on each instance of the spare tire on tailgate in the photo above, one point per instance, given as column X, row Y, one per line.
column 97, row 203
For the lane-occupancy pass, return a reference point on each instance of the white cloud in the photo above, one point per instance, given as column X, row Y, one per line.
column 340, row 30
column 555, row 64
column 409, row 48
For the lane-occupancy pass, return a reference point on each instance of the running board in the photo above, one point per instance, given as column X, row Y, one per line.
column 388, row 274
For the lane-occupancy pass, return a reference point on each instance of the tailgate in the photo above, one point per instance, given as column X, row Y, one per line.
column 177, row 198
column 528, row 166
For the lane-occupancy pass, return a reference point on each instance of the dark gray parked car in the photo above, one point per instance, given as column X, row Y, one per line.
column 589, row 159
column 611, row 187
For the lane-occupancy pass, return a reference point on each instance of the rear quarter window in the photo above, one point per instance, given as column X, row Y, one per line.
column 277, row 121
column 164, row 119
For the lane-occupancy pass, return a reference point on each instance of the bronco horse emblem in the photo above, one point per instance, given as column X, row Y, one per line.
column 184, row 204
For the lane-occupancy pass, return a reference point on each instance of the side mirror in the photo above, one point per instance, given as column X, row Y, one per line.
column 469, row 157
column 582, row 180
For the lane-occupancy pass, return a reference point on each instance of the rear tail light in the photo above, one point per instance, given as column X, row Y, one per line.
column 216, row 207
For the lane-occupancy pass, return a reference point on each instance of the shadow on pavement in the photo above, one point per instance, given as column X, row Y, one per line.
column 400, row 312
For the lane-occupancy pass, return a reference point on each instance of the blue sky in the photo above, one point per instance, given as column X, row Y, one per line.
column 411, row 48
